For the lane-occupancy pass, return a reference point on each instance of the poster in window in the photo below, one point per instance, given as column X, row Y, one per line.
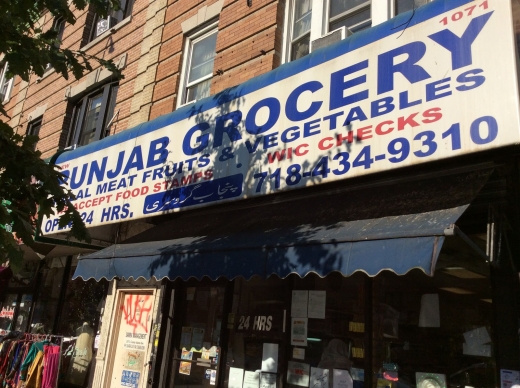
column 236, row 377
column 319, row 378
column 267, row 380
column 251, row 379
column 299, row 303
column 133, row 337
column 299, row 331
column 184, row 366
column 317, row 301
column 298, row 373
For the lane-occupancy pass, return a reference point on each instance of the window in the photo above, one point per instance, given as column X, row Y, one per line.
column 33, row 129
column 6, row 84
column 59, row 26
column 198, row 65
column 401, row 6
column 114, row 17
column 354, row 15
column 93, row 116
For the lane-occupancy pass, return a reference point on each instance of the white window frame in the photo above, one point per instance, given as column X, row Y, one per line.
column 381, row 10
column 186, row 62
column 4, row 81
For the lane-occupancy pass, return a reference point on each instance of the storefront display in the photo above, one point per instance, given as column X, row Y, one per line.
column 44, row 300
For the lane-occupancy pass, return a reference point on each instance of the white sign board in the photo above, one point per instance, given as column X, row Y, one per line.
column 441, row 86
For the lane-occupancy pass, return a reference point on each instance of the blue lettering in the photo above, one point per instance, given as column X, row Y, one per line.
column 404, row 102
column 271, row 140
column 113, row 173
column 204, row 160
column 290, row 134
column 135, row 160
column 252, row 147
column 408, row 68
column 470, row 76
column 158, row 152
column 433, row 88
column 460, row 48
column 355, row 113
column 274, row 113
column 382, row 106
column 201, row 140
column 338, row 85
column 291, row 106
column 231, row 129
column 332, row 119
column 96, row 170
column 309, row 126
column 76, row 184
column 101, row 189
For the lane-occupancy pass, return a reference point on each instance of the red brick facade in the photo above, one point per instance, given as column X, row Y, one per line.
column 249, row 43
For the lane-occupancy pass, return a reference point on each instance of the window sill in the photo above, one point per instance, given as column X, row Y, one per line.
column 47, row 73
column 101, row 37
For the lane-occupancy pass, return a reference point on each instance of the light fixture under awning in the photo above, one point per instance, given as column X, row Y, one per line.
column 398, row 243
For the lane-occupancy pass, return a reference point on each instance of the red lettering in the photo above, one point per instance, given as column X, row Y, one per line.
column 278, row 155
column 402, row 121
column 379, row 127
column 298, row 152
column 322, row 146
column 197, row 175
column 364, row 133
column 186, row 180
column 340, row 138
column 432, row 115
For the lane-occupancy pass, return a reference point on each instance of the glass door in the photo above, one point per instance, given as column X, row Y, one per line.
column 197, row 349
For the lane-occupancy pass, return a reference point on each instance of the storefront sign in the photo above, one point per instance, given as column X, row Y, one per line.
column 440, row 85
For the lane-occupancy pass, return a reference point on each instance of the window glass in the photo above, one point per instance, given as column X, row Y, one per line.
column 100, row 26
column 202, row 58
column 79, row 324
column 91, row 120
column 5, row 83
column 47, row 304
column 300, row 48
column 355, row 15
column 198, row 91
column 8, row 310
column 407, row 5
column 302, row 18
column 354, row 22
column 24, row 310
column 199, row 347
column 333, row 327
column 337, row 7
column 33, row 129
column 93, row 116
column 200, row 67
column 437, row 328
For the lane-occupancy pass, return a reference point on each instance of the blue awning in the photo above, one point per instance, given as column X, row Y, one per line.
column 397, row 243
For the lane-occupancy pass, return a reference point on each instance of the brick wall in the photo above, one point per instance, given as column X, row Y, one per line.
column 248, row 44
